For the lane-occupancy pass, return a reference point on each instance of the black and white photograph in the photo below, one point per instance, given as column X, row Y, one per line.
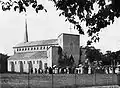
column 59, row 43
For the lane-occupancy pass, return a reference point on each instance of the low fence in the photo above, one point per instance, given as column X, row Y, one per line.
column 57, row 80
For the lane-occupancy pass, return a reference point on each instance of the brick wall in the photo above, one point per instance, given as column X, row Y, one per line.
column 58, row 80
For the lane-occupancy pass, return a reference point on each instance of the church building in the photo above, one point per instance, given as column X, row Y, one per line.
column 43, row 53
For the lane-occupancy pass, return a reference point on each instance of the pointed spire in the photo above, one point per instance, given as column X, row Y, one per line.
column 26, row 33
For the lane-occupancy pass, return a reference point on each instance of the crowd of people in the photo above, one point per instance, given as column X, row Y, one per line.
column 81, row 69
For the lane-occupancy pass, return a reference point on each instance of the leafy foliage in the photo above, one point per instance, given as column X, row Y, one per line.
column 66, row 61
column 63, row 59
column 93, row 54
column 21, row 5
column 111, row 58
column 85, row 11
column 96, row 14
column 3, row 62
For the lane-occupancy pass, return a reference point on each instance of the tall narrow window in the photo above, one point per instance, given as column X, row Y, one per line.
column 45, row 65
column 30, row 66
column 37, row 48
column 22, row 49
column 44, row 47
column 40, row 64
column 21, row 66
column 25, row 49
column 41, row 47
column 12, row 66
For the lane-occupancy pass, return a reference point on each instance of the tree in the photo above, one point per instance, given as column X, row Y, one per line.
column 111, row 58
column 63, row 59
column 77, row 12
column 93, row 54
column 3, row 62
column 107, row 58
column 118, row 56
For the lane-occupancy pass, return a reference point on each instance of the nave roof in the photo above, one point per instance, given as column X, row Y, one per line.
column 37, row 43
column 29, row 55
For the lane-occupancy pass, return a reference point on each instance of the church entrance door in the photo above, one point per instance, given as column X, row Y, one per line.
column 21, row 66
column 30, row 67
column 12, row 67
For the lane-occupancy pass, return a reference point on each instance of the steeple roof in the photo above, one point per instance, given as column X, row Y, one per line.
column 26, row 33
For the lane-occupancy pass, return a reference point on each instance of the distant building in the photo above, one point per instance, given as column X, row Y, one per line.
column 41, row 54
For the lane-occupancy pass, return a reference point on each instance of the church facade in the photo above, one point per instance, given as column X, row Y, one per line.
column 41, row 54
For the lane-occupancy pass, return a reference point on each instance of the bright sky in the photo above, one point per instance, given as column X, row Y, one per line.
column 47, row 26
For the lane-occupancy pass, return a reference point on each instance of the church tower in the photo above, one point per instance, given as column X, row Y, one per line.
column 70, row 45
column 26, row 33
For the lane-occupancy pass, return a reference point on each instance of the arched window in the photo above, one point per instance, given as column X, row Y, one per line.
column 37, row 62
column 37, row 48
column 47, row 47
column 41, row 47
column 40, row 64
column 22, row 49
column 19, row 49
column 45, row 65
column 21, row 66
column 12, row 66
column 34, row 48
column 30, row 67
column 25, row 49
column 44, row 47
column 31, row 48
column 28, row 48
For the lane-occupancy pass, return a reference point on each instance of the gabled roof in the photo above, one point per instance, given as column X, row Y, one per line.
column 29, row 55
column 37, row 43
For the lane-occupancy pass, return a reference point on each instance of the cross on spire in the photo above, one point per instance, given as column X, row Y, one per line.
column 70, row 28
column 26, row 33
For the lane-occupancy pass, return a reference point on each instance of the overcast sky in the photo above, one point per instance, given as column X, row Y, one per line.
column 48, row 26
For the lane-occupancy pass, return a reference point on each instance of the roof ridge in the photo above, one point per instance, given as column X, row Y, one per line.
column 43, row 40
column 38, row 42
